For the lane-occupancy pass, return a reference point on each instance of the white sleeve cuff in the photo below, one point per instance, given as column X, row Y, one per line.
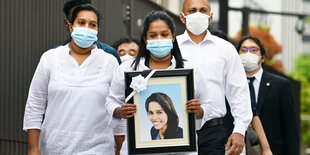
column 121, row 128
column 198, row 124
column 30, row 127
column 32, row 121
column 206, row 115
column 113, row 122
column 240, row 128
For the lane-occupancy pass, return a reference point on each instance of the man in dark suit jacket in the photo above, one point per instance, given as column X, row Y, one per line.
column 274, row 102
column 275, row 106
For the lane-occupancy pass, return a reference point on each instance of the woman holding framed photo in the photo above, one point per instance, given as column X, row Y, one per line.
column 158, row 49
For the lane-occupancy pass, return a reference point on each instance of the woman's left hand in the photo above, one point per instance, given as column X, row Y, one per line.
column 128, row 110
column 193, row 106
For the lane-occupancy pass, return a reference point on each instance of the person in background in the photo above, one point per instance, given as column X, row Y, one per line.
column 127, row 48
column 224, row 75
column 259, row 134
column 158, row 49
column 272, row 99
column 69, row 89
column 67, row 10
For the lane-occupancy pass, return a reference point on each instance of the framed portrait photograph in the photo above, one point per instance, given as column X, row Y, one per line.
column 161, row 123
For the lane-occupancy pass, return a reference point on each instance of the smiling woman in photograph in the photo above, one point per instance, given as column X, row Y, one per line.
column 163, row 116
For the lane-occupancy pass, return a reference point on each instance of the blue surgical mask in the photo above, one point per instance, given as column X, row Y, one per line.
column 159, row 48
column 84, row 37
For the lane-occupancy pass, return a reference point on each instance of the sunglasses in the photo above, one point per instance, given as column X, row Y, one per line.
column 252, row 49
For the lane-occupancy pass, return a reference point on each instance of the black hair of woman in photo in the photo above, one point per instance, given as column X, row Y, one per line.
column 163, row 116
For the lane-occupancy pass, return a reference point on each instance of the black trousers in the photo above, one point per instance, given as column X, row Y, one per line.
column 211, row 138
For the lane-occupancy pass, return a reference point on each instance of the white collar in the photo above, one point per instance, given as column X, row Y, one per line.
column 142, row 65
column 258, row 75
column 67, row 47
column 186, row 38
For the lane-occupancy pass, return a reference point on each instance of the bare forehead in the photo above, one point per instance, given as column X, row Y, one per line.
column 188, row 4
column 87, row 14
column 249, row 43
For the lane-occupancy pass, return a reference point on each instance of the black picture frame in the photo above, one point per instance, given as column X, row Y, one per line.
column 161, row 81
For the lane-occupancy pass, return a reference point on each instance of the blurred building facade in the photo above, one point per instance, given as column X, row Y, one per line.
column 28, row 29
column 306, row 35
column 31, row 27
column 283, row 28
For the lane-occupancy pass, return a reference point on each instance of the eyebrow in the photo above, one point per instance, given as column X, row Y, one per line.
column 85, row 19
column 249, row 46
column 159, row 110
column 161, row 31
column 199, row 8
column 205, row 8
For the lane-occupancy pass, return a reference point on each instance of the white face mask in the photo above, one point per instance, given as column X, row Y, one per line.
column 126, row 57
column 197, row 22
column 250, row 61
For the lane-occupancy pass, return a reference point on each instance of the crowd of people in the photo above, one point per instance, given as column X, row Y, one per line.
column 77, row 103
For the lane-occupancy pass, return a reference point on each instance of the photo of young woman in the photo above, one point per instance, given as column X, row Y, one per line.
column 162, row 114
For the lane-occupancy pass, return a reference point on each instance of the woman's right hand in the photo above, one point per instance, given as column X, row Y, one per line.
column 194, row 106
column 34, row 151
column 128, row 110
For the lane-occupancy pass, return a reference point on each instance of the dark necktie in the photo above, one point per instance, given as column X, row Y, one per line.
column 252, row 93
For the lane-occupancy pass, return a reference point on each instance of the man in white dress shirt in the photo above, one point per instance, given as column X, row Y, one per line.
column 224, row 75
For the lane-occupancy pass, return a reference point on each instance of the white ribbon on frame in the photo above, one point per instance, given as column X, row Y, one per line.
column 139, row 84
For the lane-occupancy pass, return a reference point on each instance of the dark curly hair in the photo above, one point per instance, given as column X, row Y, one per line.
column 71, row 4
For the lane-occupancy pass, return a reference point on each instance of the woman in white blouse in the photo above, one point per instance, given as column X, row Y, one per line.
column 65, row 111
column 158, row 49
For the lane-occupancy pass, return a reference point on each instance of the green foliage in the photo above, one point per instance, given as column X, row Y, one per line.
column 305, row 132
column 302, row 66
column 302, row 73
column 308, row 20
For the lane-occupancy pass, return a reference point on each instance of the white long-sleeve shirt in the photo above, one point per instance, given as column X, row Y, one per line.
column 117, row 93
column 224, row 74
column 117, row 90
column 72, row 99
